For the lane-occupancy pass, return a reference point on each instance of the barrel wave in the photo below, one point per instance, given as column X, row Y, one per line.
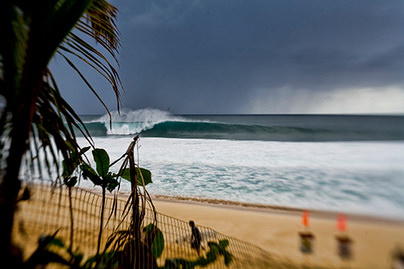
column 157, row 123
column 217, row 130
column 212, row 130
column 310, row 161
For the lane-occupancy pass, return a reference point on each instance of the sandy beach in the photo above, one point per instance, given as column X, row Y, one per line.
column 276, row 230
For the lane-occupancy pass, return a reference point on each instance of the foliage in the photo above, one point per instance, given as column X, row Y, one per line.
column 101, row 176
column 215, row 250
column 52, row 249
column 43, row 255
column 136, row 248
column 107, row 180
column 70, row 165
column 48, row 250
column 31, row 34
column 36, row 118
column 155, row 239
column 131, row 248
column 144, row 179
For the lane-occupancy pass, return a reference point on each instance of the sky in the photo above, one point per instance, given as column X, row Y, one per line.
column 253, row 57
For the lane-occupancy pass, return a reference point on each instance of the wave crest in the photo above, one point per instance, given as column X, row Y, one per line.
column 157, row 123
column 128, row 122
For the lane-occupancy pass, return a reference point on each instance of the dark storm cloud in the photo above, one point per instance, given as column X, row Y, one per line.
column 221, row 56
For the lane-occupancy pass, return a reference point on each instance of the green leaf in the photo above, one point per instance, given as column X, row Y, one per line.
column 89, row 173
column 228, row 258
column 224, row 243
column 147, row 177
column 110, row 181
column 70, row 182
column 154, row 234
column 84, row 150
column 70, row 164
column 67, row 169
column 145, row 174
column 101, row 159
column 57, row 242
column 211, row 256
column 158, row 244
column 125, row 174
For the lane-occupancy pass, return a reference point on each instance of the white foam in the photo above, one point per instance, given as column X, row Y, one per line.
column 147, row 114
column 348, row 176
column 136, row 120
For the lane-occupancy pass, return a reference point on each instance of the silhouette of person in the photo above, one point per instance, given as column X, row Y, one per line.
column 196, row 237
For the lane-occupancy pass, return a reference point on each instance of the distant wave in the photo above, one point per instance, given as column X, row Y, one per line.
column 212, row 130
column 157, row 123
column 128, row 122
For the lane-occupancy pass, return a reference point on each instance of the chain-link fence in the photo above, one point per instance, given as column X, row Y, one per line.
column 76, row 219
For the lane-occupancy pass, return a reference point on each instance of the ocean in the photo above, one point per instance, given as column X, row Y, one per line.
column 341, row 163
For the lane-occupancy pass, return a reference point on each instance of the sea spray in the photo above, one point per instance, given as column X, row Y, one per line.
column 129, row 122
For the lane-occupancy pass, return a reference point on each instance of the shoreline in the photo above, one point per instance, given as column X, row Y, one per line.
column 273, row 209
column 257, row 207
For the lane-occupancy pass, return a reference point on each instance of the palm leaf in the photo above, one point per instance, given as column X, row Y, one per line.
column 31, row 33
column 101, row 15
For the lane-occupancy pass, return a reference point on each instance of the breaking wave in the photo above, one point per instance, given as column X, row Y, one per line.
column 157, row 123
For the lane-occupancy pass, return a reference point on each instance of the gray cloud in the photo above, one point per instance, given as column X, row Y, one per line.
column 226, row 56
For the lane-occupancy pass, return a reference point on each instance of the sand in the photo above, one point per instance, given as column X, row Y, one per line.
column 276, row 230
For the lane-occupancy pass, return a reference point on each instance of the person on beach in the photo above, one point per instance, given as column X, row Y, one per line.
column 195, row 237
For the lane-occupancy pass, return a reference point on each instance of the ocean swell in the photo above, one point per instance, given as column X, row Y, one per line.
column 157, row 123
column 214, row 130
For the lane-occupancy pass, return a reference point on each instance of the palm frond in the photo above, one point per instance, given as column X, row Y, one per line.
column 98, row 24
column 31, row 33
column 56, row 131
column 101, row 15
column 87, row 83
column 85, row 52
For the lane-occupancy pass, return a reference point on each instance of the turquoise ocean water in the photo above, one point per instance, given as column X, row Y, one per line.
column 349, row 163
